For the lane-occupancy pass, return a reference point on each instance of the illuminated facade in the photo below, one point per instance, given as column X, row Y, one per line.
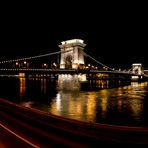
column 72, row 54
column 72, row 57
column 136, row 69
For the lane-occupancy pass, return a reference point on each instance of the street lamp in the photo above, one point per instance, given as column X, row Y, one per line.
column 44, row 65
column 17, row 65
column 25, row 64
column 54, row 65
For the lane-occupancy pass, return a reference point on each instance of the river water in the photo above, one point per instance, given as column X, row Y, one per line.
column 117, row 105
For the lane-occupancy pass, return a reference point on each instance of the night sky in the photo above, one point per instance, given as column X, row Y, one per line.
column 116, row 35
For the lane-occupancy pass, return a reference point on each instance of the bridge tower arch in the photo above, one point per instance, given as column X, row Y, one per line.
column 72, row 55
column 137, row 68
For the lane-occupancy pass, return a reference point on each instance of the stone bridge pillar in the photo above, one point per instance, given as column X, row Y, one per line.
column 136, row 69
column 72, row 55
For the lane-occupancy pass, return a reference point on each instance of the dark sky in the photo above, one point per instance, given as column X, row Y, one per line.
column 115, row 34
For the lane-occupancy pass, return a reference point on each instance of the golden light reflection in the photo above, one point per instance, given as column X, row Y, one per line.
column 58, row 102
column 102, row 83
column 120, row 91
column 68, row 82
column 136, row 108
column 104, row 95
column 120, row 104
column 119, row 101
column 22, row 87
column 91, row 106
column 95, row 105
column 75, row 107
column 43, row 85
column 134, row 92
column 21, row 75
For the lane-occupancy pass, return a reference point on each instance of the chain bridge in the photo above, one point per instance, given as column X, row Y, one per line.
column 71, row 59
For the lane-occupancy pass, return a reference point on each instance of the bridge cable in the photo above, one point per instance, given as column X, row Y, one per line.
column 28, row 58
column 98, row 61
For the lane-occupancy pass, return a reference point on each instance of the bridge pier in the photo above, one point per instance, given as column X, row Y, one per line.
column 72, row 54
column 136, row 69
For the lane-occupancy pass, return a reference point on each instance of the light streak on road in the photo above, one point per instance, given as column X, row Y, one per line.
column 28, row 142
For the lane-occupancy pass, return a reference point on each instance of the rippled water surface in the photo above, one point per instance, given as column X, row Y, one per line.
column 120, row 105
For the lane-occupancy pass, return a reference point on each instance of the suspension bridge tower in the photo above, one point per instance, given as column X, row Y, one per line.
column 72, row 55
column 137, row 69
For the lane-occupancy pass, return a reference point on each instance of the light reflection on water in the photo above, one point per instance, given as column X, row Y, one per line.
column 22, row 87
column 74, row 104
column 123, row 105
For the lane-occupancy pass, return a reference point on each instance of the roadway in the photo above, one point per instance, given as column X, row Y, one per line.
column 28, row 130
column 46, row 71
column 63, row 71
column 32, row 128
column 9, row 139
column 17, row 133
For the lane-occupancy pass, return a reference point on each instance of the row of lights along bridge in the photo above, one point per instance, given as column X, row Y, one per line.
column 26, row 65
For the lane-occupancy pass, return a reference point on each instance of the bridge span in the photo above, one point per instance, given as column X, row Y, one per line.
column 71, row 60
column 90, row 74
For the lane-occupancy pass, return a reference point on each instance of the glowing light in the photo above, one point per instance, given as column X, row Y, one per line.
column 58, row 102
column 22, row 86
column 135, row 77
column 72, row 41
column 82, row 77
column 16, row 63
column 68, row 82
column 21, row 75
column 137, row 64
